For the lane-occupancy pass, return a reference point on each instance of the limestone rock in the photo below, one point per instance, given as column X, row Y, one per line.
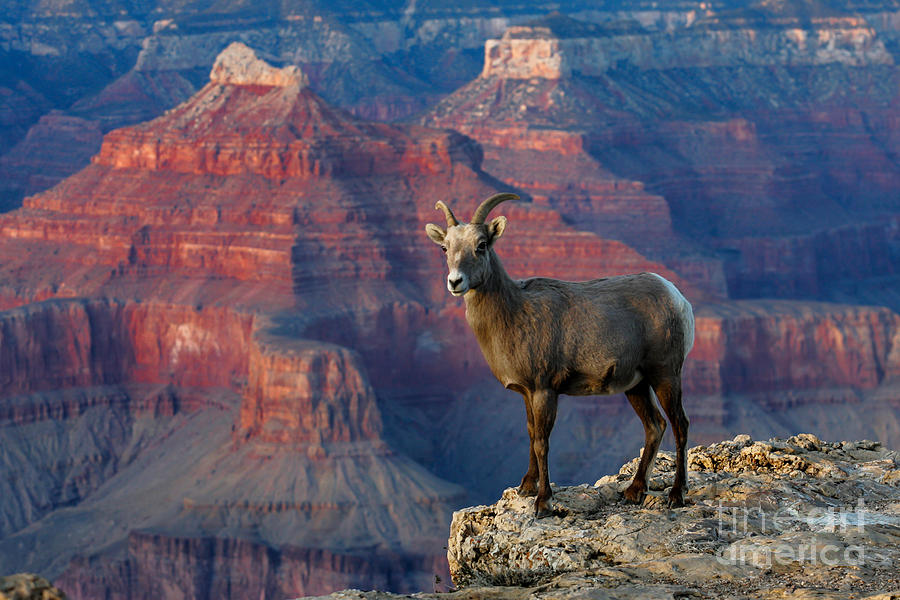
column 558, row 46
column 797, row 512
column 239, row 65
column 27, row 586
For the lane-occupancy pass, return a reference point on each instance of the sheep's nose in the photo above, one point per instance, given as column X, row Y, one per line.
column 454, row 283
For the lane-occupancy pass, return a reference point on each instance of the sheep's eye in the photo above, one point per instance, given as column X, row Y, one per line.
column 482, row 246
column 444, row 249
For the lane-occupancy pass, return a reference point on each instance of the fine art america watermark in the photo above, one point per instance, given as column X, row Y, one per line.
column 817, row 536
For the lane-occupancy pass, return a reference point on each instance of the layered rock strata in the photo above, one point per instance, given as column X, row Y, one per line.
column 562, row 46
column 81, row 434
column 806, row 347
column 280, row 246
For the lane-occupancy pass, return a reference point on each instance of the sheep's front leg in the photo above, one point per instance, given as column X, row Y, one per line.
column 543, row 407
column 528, row 487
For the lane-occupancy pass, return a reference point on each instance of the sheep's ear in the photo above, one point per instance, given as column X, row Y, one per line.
column 496, row 228
column 435, row 233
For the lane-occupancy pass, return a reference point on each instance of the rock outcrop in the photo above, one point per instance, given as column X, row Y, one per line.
column 27, row 586
column 784, row 518
column 814, row 511
column 238, row 65
column 308, row 393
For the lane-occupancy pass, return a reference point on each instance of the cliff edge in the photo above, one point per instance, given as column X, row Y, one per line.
column 786, row 518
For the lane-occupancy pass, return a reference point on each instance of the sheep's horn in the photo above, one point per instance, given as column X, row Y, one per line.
column 488, row 205
column 451, row 220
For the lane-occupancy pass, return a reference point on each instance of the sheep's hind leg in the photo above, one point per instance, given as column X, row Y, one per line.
column 654, row 426
column 528, row 487
column 669, row 392
column 543, row 406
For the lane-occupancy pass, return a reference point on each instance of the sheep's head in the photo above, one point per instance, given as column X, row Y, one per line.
column 468, row 245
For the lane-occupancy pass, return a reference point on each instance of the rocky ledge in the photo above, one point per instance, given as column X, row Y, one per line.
column 795, row 518
column 27, row 586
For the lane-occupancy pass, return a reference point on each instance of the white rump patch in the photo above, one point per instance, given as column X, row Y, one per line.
column 683, row 307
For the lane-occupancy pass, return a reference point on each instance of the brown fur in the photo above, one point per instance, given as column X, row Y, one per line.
column 543, row 337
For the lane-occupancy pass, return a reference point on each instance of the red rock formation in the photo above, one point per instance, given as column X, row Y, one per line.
column 307, row 402
column 63, row 345
column 267, row 122
column 280, row 163
column 776, row 348
column 308, row 393
column 82, row 343
column 64, row 360
column 207, row 215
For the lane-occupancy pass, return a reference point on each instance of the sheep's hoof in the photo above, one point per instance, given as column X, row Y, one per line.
column 635, row 493
column 676, row 498
column 527, row 490
column 542, row 509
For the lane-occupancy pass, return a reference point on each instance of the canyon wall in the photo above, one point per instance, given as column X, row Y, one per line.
column 304, row 392
column 111, row 384
column 565, row 46
column 74, row 360
column 805, row 346
column 237, row 298
column 64, row 344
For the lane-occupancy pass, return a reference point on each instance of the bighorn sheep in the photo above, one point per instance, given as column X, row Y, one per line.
column 543, row 337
